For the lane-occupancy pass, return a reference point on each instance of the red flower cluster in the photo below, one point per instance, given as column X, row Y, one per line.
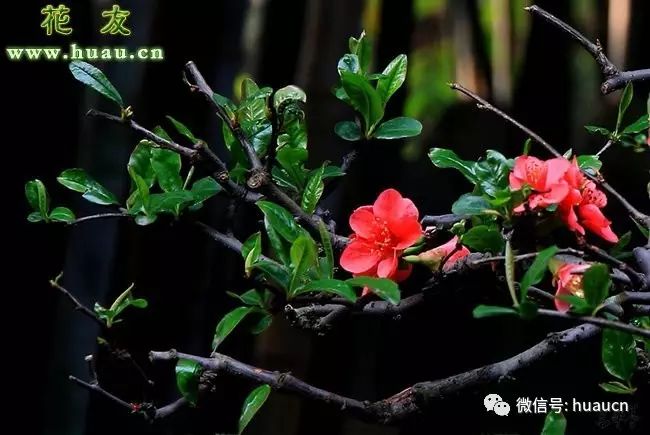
column 560, row 182
column 381, row 233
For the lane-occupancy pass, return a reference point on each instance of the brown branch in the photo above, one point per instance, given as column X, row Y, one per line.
column 407, row 403
column 613, row 78
column 77, row 304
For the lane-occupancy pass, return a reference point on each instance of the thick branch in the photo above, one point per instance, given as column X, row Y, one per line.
column 613, row 78
column 412, row 400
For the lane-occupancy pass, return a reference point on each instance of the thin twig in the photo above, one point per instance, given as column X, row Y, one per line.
column 77, row 304
column 613, row 78
column 153, row 137
column 94, row 386
column 483, row 104
column 99, row 216
column 598, row 321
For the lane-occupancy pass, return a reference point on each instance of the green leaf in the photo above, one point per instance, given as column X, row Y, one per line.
column 620, row 246
column 251, row 297
column 481, row 311
column 252, row 405
column 169, row 202
column 142, row 189
column 79, row 181
column 37, row 197
column 228, row 323
column 578, row 304
column 334, row 286
column 397, row 128
column 394, row 73
column 483, row 238
column 617, row 387
column 281, row 220
column 626, row 99
column 348, row 130
column 596, row 283
column 275, row 272
column 253, row 117
column 313, row 191
column 183, row 130
column 288, row 94
column 95, row 78
column 204, row 189
column 618, row 353
column 326, row 242
column 469, row 204
column 140, row 161
column 589, row 162
column 167, row 166
column 226, row 104
column 62, row 214
column 251, row 251
column 554, row 424
column 364, row 98
column 362, row 47
column 262, row 324
column 536, row 271
column 385, row 288
column 187, row 379
column 280, row 249
column 303, row 256
column 445, row 158
column 35, row 216
column 593, row 129
column 349, row 63
column 638, row 126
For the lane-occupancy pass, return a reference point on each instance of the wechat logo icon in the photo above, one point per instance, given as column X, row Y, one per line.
column 494, row 402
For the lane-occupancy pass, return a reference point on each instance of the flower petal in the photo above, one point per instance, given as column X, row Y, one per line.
column 405, row 232
column 387, row 267
column 561, row 305
column 409, row 210
column 358, row 257
column 594, row 220
column 555, row 170
column 389, row 205
column 402, row 273
column 363, row 222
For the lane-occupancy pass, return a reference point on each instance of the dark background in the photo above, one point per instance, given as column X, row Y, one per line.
column 530, row 69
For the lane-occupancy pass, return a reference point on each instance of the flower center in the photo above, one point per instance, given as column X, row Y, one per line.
column 383, row 239
column 535, row 173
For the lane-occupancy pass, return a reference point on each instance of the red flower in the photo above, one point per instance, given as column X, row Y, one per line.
column 381, row 233
column 568, row 281
column 580, row 209
column 545, row 178
column 432, row 258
